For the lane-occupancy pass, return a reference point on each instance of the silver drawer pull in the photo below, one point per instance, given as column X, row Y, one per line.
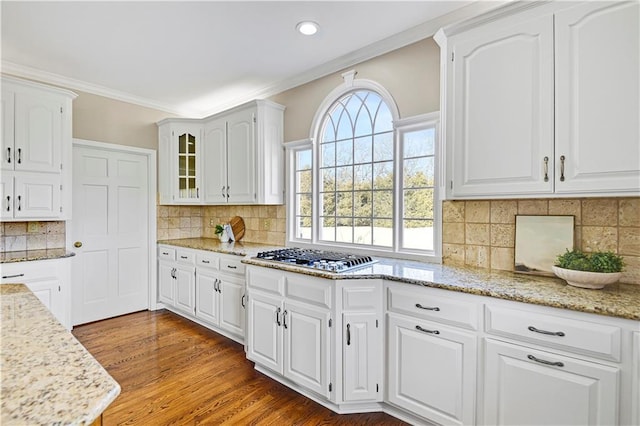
column 428, row 308
column 545, row 362
column 183, row 257
column 232, row 267
column 165, row 253
column 548, row 333
column 424, row 330
column 12, row 276
column 205, row 261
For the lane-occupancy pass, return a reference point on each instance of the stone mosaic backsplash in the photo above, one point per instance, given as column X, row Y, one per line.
column 20, row 236
column 482, row 233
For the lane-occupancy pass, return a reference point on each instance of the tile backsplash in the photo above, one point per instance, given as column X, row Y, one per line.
column 263, row 224
column 482, row 233
column 19, row 236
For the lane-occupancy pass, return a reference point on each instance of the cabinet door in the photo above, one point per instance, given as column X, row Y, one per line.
column 264, row 332
column 214, row 152
column 50, row 294
column 37, row 196
column 7, row 117
column 502, row 112
column 597, row 102
column 166, row 283
column 231, row 310
column 531, row 387
column 185, row 289
column 241, row 173
column 432, row 370
column 361, row 349
column 6, row 195
column 207, row 297
column 306, row 346
column 187, row 152
column 38, row 132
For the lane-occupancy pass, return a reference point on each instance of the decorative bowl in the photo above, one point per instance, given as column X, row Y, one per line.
column 583, row 279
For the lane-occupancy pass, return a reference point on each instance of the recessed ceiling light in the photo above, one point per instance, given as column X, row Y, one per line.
column 307, row 27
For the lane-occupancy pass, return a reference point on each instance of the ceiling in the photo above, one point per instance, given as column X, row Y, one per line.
column 198, row 58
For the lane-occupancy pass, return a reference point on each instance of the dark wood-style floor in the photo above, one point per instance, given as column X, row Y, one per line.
column 173, row 371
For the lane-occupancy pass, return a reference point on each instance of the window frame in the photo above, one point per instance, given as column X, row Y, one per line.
column 400, row 127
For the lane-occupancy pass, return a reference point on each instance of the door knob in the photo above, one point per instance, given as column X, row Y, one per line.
column 77, row 244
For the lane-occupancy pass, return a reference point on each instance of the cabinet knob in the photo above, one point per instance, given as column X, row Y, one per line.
column 77, row 244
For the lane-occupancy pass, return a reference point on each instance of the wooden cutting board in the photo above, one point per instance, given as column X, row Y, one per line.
column 237, row 226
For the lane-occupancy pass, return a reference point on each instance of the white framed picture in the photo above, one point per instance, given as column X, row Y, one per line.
column 539, row 241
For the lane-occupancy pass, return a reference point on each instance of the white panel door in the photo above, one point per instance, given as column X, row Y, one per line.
column 432, row 370
column 185, row 289
column 306, row 346
column 7, row 125
column 37, row 195
column 6, row 195
column 524, row 386
column 264, row 336
column 38, row 132
column 214, row 161
column 166, row 283
column 598, row 97
column 503, row 108
column 231, row 310
column 361, row 354
column 50, row 294
column 110, row 219
column 207, row 297
column 241, row 171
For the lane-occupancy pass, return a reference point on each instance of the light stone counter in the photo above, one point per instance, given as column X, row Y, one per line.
column 47, row 376
column 29, row 255
column 238, row 248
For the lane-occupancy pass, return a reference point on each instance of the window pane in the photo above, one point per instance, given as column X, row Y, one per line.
column 362, row 176
column 192, row 166
column 182, row 166
column 417, row 234
column 182, row 144
column 383, row 204
column 418, row 203
column 303, row 160
column 362, row 232
column 192, row 144
column 328, row 180
column 383, row 147
column 384, row 120
column 418, row 172
column 362, row 150
column 345, row 126
column 362, row 203
column 303, row 181
column 303, row 227
column 363, row 123
column 344, row 178
column 328, row 131
column 383, row 232
column 328, row 155
column 344, row 152
column 383, row 175
column 344, row 204
column 328, row 230
column 419, row 143
column 344, row 230
column 328, row 204
column 303, row 204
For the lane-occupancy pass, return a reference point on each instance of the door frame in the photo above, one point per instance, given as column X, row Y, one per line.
column 152, row 206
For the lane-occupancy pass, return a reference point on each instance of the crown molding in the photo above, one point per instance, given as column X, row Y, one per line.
column 397, row 41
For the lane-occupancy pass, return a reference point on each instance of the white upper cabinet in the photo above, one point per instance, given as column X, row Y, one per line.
column 36, row 151
column 240, row 159
column 542, row 100
column 597, row 97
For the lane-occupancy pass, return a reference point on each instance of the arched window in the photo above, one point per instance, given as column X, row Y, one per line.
column 366, row 179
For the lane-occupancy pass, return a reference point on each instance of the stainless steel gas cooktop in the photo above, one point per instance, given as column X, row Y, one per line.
column 317, row 259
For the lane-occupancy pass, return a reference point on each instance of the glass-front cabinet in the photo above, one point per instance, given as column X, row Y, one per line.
column 187, row 166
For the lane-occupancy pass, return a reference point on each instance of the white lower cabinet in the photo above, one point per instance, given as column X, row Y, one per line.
column 48, row 280
column 525, row 386
column 432, row 370
column 194, row 284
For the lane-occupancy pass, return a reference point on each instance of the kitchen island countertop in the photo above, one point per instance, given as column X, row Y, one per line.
column 48, row 377
column 238, row 248
column 29, row 255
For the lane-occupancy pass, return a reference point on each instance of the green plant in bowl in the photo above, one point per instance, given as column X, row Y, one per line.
column 219, row 230
column 589, row 270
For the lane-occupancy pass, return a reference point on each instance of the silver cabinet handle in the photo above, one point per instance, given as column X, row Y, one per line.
column 227, row 192
column 242, row 302
column 278, row 317
column 12, row 276
column 19, row 155
column 545, row 362
column 284, row 319
column 173, row 273
column 219, row 286
column 8, row 203
column 9, row 155
column 562, row 158
column 19, row 203
column 222, row 191
column 206, row 261
column 546, row 169
column 428, row 308
column 232, row 267
column 424, row 330
column 548, row 333
column 183, row 257
column 197, row 192
column 348, row 334
column 165, row 253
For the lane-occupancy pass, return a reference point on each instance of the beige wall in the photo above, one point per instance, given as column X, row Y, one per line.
column 482, row 233
column 107, row 120
column 411, row 74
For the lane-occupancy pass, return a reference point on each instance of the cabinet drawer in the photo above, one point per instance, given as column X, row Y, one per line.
column 207, row 260
column 422, row 303
column 184, row 256
column 267, row 280
column 232, row 266
column 316, row 291
column 598, row 340
column 361, row 298
column 165, row 253
column 25, row 272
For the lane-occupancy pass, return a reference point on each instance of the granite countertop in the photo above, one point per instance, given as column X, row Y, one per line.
column 28, row 255
column 238, row 248
column 48, row 377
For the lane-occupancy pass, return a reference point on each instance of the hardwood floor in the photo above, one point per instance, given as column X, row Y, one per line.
column 173, row 371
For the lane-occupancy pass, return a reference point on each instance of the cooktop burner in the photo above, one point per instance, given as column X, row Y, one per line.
column 317, row 259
